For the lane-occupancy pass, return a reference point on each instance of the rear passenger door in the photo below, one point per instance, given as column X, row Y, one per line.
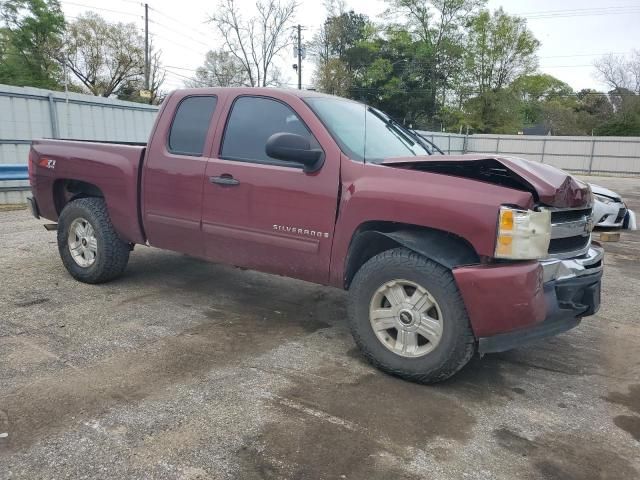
column 174, row 174
column 263, row 213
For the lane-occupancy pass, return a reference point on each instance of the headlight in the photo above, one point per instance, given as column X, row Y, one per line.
column 603, row 199
column 523, row 234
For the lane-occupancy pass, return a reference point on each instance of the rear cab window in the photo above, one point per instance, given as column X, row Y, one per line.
column 191, row 124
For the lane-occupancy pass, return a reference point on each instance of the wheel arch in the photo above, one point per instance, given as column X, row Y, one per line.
column 372, row 238
column 66, row 190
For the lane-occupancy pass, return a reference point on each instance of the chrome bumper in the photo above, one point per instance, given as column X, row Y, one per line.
column 587, row 264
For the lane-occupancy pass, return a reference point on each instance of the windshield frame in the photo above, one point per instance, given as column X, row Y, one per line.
column 390, row 122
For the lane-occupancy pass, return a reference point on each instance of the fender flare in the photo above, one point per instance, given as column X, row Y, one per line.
column 445, row 248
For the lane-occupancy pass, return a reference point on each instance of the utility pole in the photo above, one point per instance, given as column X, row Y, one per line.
column 299, row 57
column 146, row 46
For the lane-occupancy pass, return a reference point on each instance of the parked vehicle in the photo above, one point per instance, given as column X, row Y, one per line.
column 610, row 211
column 443, row 256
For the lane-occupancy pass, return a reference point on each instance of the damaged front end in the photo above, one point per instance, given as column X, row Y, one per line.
column 548, row 185
column 511, row 303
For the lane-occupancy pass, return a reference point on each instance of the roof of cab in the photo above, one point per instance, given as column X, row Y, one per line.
column 266, row 91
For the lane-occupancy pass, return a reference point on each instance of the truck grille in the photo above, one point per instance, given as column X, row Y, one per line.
column 570, row 232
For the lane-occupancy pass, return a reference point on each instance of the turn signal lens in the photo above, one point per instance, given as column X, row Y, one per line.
column 523, row 234
column 506, row 220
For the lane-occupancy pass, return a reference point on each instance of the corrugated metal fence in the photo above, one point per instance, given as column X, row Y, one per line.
column 591, row 155
column 29, row 113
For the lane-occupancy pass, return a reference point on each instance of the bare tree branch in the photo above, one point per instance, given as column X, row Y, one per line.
column 618, row 72
column 257, row 41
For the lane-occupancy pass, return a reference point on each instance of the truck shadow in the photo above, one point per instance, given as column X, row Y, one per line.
column 209, row 287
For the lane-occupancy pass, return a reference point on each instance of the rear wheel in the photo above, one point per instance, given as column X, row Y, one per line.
column 407, row 316
column 89, row 247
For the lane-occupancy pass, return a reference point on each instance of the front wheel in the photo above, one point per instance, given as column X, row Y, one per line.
column 408, row 318
column 89, row 247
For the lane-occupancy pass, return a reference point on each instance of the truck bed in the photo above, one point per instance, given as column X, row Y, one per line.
column 114, row 168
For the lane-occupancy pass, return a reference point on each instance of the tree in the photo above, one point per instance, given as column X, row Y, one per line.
column 625, row 120
column 393, row 79
column 130, row 90
column 345, row 31
column 104, row 56
column 335, row 49
column 494, row 112
column 220, row 69
column 623, row 76
column 579, row 114
column 333, row 77
column 534, row 90
column 619, row 72
column 499, row 48
column 439, row 27
column 30, row 42
column 157, row 75
column 595, row 103
column 256, row 42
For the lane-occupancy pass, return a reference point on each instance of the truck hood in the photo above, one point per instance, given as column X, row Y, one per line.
column 549, row 185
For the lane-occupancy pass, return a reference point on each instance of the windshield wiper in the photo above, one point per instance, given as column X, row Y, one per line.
column 427, row 144
column 394, row 127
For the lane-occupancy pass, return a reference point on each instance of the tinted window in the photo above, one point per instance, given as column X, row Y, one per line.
column 190, row 125
column 252, row 121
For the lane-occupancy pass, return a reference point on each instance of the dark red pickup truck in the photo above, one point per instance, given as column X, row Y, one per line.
column 443, row 256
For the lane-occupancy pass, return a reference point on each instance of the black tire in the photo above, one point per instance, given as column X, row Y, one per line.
column 457, row 343
column 112, row 252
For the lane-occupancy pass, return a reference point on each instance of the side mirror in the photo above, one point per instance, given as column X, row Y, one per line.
column 294, row 148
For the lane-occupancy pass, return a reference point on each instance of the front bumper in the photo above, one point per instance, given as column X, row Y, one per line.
column 567, row 302
column 609, row 215
column 510, row 305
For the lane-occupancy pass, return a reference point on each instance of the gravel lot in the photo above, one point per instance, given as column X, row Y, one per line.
column 183, row 369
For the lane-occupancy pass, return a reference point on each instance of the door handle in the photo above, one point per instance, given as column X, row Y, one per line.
column 224, row 179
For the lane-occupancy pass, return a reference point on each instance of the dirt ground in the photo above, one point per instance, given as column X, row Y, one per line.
column 189, row 370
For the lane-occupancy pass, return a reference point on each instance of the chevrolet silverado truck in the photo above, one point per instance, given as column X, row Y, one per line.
column 442, row 256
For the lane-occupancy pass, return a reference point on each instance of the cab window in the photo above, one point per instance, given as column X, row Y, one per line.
column 191, row 124
column 252, row 121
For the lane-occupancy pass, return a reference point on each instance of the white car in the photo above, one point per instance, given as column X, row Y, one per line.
column 610, row 211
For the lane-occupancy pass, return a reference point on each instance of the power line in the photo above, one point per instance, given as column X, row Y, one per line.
column 572, row 10
column 178, row 22
column 578, row 13
column 182, row 68
column 566, row 66
column 585, row 55
column 166, row 69
column 121, row 12
column 170, row 40
column 177, row 32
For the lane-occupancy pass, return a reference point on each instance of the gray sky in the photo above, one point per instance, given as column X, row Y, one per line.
column 573, row 32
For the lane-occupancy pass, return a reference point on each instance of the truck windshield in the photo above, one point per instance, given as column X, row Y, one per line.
column 364, row 133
